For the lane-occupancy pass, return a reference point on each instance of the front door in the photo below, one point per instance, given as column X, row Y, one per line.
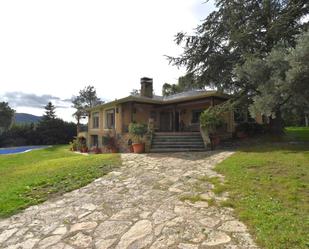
column 165, row 121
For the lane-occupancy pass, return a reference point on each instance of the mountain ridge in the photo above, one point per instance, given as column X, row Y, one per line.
column 26, row 118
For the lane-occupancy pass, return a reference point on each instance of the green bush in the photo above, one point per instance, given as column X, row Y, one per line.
column 138, row 130
column 211, row 119
column 109, row 142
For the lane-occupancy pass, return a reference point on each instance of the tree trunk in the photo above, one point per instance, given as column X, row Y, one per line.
column 78, row 126
column 306, row 120
column 276, row 124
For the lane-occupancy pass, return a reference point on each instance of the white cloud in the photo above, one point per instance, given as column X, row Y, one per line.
column 58, row 47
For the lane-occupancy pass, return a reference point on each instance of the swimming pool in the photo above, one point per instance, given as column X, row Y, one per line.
column 21, row 149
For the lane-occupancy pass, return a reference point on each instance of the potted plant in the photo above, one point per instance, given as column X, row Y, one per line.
column 97, row 150
column 210, row 120
column 75, row 145
column 110, row 143
column 84, row 149
column 138, row 131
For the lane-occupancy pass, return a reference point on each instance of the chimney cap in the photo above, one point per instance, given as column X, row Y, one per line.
column 147, row 79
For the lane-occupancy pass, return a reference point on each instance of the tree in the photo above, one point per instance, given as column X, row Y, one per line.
column 79, row 113
column 55, row 131
column 282, row 77
column 185, row 83
column 6, row 116
column 170, row 89
column 50, row 112
column 86, row 99
column 236, row 30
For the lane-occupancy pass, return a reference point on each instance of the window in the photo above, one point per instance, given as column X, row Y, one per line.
column 110, row 119
column 153, row 115
column 196, row 116
column 94, row 141
column 95, row 120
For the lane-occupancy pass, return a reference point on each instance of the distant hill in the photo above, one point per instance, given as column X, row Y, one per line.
column 25, row 118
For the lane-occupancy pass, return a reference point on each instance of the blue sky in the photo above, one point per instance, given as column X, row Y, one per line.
column 52, row 49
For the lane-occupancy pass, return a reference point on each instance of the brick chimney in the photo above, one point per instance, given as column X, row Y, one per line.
column 146, row 87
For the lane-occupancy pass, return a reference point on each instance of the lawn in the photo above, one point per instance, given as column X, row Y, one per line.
column 269, row 188
column 33, row 177
column 298, row 133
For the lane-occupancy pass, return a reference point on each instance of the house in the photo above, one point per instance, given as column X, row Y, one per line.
column 175, row 119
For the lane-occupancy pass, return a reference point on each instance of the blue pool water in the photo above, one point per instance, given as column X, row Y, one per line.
column 14, row 150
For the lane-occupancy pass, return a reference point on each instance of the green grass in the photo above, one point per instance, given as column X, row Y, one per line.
column 30, row 178
column 298, row 133
column 191, row 198
column 269, row 188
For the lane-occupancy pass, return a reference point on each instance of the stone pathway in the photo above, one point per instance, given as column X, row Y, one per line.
column 154, row 201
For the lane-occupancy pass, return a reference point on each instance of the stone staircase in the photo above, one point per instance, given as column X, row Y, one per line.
column 177, row 142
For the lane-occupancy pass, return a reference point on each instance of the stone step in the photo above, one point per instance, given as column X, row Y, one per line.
column 177, row 138
column 181, row 136
column 200, row 142
column 165, row 150
column 178, row 146
column 176, row 142
column 177, row 134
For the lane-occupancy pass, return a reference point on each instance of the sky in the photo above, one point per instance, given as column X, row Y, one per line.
column 49, row 50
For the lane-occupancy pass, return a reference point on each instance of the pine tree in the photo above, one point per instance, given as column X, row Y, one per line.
column 50, row 112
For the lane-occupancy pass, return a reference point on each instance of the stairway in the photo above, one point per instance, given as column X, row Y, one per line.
column 177, row 142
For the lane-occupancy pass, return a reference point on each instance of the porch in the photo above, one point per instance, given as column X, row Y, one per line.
column 178, row 117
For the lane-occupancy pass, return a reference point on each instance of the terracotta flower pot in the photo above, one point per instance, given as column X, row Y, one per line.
column 138, row 148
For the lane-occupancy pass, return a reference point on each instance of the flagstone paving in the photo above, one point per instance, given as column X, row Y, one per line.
column 145, row 204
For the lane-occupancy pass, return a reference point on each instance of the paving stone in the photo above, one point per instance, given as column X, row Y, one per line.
column 233, row 226
column 60, row 230
column 187, row 246
column 28, row 244
column 138, row 231
column 105, row 243
column 81, row 240
column 83, row 226
column 89, row 206
column 217, row 238
column 7, row 234
column 49, row 241
column 210, row 221
column 111, row 228
column 161, row 216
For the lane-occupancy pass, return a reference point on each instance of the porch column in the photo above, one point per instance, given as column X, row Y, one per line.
column 212, row 102
column 132, row 110
column 174, row 118
column 118, row 119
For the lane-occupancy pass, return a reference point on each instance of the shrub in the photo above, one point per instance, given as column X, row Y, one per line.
column 211, row 119
column 138, row 130
column 109, row 142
